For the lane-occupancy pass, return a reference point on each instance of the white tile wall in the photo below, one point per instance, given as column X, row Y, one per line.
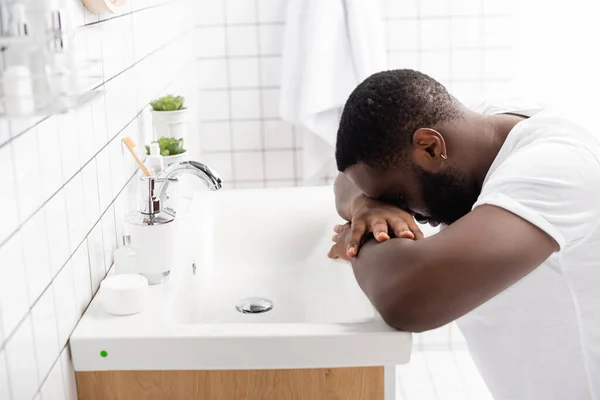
column 66, row 182
column 462, row 43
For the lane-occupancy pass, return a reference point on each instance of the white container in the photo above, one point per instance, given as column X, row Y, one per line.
column 172, row 124
column 124, row 294
column 155, row 248
column 125, row 258
column 155, row 161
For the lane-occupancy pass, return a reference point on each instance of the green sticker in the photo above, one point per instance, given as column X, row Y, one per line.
column 103, row 354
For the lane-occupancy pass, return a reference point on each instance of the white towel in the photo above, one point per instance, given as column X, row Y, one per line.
column 330, row 46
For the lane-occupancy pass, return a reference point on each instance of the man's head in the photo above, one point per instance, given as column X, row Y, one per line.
column 393, row 144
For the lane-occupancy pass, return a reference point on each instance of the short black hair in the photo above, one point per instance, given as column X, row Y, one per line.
column 383, row 112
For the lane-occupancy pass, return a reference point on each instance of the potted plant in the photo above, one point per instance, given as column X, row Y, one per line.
column 171, row 149
column 169, row 117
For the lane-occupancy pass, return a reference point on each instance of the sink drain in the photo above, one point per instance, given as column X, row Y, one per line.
column 254, row 305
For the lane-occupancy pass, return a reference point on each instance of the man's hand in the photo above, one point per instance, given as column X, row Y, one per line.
column 340, row 239
column 381, row 219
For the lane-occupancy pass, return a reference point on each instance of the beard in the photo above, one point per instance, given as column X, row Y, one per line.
column 447, row 196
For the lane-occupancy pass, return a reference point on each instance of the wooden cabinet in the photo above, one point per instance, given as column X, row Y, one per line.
column 361, row 383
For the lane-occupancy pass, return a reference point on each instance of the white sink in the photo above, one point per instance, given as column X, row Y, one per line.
column 270, row 244
column 256, row 244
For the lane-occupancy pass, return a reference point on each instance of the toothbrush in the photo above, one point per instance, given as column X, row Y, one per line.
column 130, row 144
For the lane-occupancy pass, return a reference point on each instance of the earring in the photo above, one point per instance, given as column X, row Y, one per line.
column 445, row 157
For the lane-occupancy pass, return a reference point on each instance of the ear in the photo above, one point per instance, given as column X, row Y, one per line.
column 429, row 149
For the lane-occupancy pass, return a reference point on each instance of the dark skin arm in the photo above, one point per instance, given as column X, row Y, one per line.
column 381, row 219
column 422, row 285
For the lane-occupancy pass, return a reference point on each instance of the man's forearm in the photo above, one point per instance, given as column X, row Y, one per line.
column 384, row 272
column 345, row 191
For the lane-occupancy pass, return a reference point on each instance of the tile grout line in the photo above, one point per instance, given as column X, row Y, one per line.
column 227, row 58
column 260, row 96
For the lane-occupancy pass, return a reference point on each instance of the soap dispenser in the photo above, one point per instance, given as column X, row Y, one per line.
column 152, row 233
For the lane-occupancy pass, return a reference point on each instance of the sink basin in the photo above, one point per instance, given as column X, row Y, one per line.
column 255, row 245
column 269, row 244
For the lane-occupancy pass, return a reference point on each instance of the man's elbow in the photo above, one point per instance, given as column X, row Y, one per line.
column 408, row 317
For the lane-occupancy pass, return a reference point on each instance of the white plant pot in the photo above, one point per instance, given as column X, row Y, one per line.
column 168, row 160
column 171, row 124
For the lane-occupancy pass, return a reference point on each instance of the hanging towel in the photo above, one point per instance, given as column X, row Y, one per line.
column 330, row 46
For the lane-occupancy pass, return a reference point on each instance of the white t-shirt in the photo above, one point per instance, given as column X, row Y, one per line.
column 540, row 338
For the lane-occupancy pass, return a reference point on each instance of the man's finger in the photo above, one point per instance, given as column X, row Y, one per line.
column 337, row 228
column 332, row 253
column 400, row 228
column 414, row 228
column 334, row 238
column 379, row 227
column 356, row 235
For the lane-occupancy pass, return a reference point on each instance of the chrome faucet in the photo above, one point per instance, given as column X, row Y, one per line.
column 211, row 179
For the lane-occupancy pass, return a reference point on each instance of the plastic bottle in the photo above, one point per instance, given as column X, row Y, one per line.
column 155, row 161
column 125, row 258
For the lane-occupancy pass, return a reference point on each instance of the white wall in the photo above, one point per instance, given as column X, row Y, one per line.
column 466, row 44
column 65, row 186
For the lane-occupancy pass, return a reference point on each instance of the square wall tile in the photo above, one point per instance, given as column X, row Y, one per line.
column 211, row 41
column 109, row 236
column 435, row 33
column 271, row 39
column 499, row 64
column 68, row 375
column 96, row 252
column 467, row 32
column 281, row 184
column 249, row 185
column 4, row 382
column 466, row 7
column 243, row 73
column 245, row 104
column 50, row 150
column 494, row 8
column 57, row 226
column 8, row 195
column 13, row 285
column 85, row 133
column 278, row 135
column 468, row 91
column 213, row 105
column 209, row 12
column 467, row 65
column 91, row 197
column 270, row 103
column 28, row 173
column 240, row 11
column 279, row 165
column 43, row 317
column 36, row 255
column 212, row 74
column 497, row 32
column 434, row 8
column 247, row 135
column 401, row 9
column 66, row 303
column 242, row 40
column 221, row 163
column 272, row 10
column 117, row 164
column 103, row 170
column 403, row 59
column 248, row 166
column 436, row 64
column 76, row 215
column 54, row 387
column 270, row 71
column 215, row 136
column 22, row 363
column 403, row 35
column 69, row 143
column 80, row 263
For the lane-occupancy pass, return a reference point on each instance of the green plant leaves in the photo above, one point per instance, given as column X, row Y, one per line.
column 168, row 146
column 168, row 103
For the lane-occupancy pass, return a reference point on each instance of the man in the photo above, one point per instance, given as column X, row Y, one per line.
column 518, row 264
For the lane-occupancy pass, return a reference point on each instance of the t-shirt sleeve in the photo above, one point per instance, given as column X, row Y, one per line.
column 553, row 185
